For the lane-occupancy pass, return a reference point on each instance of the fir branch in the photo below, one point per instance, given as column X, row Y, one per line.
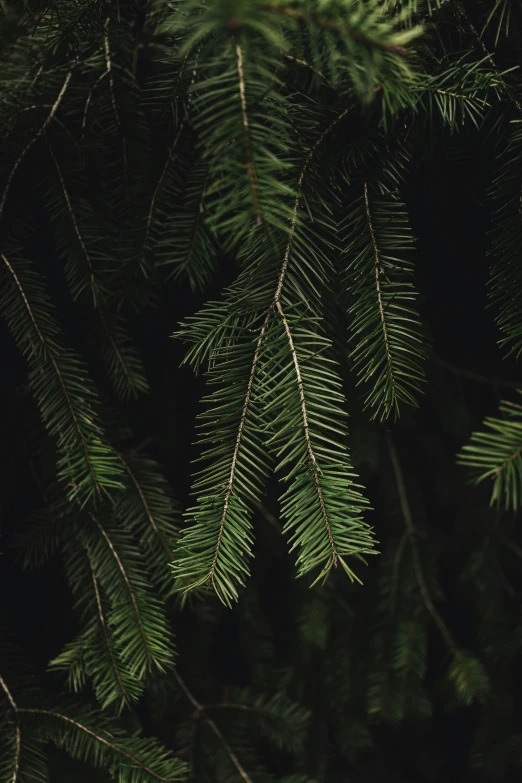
column 189, row 563
column 130, row 591
column 105, row 632
column 306, row 428
column 90, row 94
column 123, row 365
column 496, row 454
column 152, row 207
column 110, row 72
column 146, row 507
column 411, row 533
column 18, row 731
column 200, row 710
column 359, row 36
column 239, row 438
column 96, row 456
column 33, row 140
column 466, row 670
column 118, row 748
column 114, row 105
column 74, row 221
column 249, row 162
column 388, row 349
column 378, row 272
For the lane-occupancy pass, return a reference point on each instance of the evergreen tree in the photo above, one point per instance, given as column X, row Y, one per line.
column 251, row 204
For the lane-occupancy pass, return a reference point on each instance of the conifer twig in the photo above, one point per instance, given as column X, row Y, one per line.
column 332, row 27
column 52, row 356
column 378, row 271
column 103, row 625
column 33, row 140
column 417, row 565
column 18, row 732
column 95, row 736
column 276, row 305
column 128, row 585
column 248, row 148
column 200, row 709
column 146, row 508
column 237, row 446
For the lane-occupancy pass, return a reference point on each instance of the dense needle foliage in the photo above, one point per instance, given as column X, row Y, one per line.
column 260, row 282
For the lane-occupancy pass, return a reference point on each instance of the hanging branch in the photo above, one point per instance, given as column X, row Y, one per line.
column 99, row 478
column 200, row 710
column 33, row 141
column 124, row 377
column 333, row 27
column 458, row 658
column 248, row 147
column 110, row 744
column 104, row 629
column 130, row 591
column 18, row 731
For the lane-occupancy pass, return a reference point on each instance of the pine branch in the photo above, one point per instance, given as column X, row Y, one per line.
column 248, row 152
column 105, row 634
column 388, row 350
column 222, row 563
column 18, row 732
column 95, row 652
column 87, row 465
column 200, row 710
column 148, row 508
column 142, row 614
column 21, row 755
column 358, row 36
column 139, row 759
column 85, row 277
column 41, row 130
column 496, row 454
column 466, row 671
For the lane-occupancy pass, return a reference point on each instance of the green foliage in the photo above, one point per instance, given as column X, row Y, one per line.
column 386, row 329
column 496, row 454
column 248, row 171
column 87, row 465
column 468, row 678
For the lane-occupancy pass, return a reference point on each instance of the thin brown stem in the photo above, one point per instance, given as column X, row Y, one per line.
column 306, row 65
